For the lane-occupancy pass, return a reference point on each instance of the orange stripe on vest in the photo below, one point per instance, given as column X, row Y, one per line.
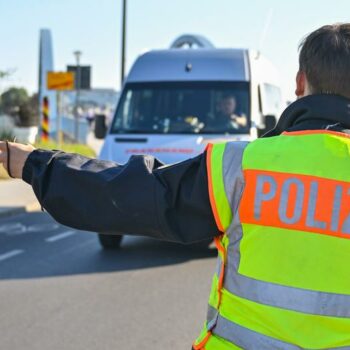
column 297, row 202
column 211, row 189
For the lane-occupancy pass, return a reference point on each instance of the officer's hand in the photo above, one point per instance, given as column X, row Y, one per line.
column 18, row 155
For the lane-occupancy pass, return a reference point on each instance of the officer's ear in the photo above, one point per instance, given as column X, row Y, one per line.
column 300, row 84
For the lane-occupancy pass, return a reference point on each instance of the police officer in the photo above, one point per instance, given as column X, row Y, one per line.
column 278, row 209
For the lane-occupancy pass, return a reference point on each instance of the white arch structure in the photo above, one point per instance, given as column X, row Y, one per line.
column 191, row 40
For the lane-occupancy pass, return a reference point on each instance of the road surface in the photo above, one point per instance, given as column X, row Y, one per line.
column 60, row 290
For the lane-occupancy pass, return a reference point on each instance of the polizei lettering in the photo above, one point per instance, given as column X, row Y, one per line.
column 298, row 202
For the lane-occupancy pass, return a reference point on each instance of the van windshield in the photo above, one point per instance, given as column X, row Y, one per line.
column 183, row 107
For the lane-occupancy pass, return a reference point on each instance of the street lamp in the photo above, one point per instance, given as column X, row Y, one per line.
column 77, row 55
column 123, row 44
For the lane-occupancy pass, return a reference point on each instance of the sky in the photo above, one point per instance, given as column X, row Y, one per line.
column 275, row 27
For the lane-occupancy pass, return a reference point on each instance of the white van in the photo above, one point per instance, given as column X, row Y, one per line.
column 175, row 101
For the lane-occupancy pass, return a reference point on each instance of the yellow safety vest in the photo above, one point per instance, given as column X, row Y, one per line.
column 283, row 277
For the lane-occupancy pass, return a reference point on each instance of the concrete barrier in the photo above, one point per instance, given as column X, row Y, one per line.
column 26, row 134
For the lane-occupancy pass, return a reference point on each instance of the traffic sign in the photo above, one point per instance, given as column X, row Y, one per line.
column 60, row 80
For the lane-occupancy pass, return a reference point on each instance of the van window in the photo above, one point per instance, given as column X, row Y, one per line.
column 201, row 107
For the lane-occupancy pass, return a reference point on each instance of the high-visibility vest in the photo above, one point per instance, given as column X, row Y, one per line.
column 283, row 276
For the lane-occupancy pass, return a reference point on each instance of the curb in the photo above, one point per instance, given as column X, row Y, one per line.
column 34, row 206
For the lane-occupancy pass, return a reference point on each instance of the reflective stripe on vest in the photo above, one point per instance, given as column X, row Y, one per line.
column 285, row 249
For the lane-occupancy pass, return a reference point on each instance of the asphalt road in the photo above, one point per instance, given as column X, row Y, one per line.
column 60, row 290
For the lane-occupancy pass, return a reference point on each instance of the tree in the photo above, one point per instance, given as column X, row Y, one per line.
column 29, row 112
column 4, row 74
column 12, row 99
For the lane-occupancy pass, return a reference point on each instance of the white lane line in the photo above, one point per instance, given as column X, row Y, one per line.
column 60, row 236
column 10, row 254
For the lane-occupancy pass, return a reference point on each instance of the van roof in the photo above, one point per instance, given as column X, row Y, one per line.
column 202, row 65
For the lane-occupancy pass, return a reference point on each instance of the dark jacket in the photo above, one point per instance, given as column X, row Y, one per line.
column 144, row 197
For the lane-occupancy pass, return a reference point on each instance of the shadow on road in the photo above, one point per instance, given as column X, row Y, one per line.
column 82, row 253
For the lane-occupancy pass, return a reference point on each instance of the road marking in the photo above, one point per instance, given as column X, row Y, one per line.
column 10, row 254
column 60, row 236
column 13, row 228
column 42, row 227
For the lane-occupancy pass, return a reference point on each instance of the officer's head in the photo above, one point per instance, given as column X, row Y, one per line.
column 324, row 62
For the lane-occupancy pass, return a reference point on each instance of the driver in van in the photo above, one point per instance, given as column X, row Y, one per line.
column 226, row 117
column 226, row 112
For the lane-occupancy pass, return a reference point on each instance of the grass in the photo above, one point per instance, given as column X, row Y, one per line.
column 6, row 135
column 66, row 147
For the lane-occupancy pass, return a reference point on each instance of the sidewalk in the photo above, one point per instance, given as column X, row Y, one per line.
column 94, row 143
column 16, row 196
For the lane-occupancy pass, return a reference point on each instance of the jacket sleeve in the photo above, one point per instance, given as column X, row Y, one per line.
column 142, row 197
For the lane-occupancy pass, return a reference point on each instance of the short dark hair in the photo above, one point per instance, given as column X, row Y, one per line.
column 325, row 59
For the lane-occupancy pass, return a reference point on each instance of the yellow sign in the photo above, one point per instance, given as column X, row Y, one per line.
column 60, row 80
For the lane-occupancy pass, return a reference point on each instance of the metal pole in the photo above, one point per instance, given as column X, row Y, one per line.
column 76, row 133
column 122, row 74
column 59, row 120
column 58, row 117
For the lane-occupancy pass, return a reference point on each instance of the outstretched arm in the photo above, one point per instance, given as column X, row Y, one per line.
column 142, row 197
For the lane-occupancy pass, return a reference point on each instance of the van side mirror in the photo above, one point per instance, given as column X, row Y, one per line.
column 270, row 122
column 100, row 126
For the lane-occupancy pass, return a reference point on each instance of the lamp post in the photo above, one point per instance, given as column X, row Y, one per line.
column 77, row 55
column 123, row 44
